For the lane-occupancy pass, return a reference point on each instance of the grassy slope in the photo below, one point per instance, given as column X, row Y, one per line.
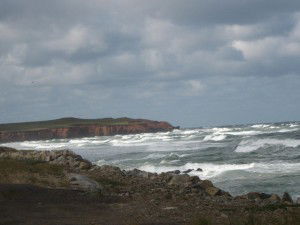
column 31, row 172
column 64, row 122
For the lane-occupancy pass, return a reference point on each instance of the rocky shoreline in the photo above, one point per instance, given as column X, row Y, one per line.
column 132, row 197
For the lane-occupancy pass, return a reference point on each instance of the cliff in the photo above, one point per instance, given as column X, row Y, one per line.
column 76, row 128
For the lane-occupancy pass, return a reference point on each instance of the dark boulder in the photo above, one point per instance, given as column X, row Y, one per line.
column 287, row 198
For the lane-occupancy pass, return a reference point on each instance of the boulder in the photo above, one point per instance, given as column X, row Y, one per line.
column 180, row 180
column 187, row 171
column 199, row 170
column 206, row 184
column 274, row 198
column 257, row 196
column 174, row 172
column 84, row 165
column 139, row 173
column 286, row 198
column 213, row 191
column 83, row 183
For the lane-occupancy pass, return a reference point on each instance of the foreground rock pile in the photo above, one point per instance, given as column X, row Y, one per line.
column 139, row 197
column 65, row 158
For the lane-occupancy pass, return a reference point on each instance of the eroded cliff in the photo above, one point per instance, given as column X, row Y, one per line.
column 75, row 128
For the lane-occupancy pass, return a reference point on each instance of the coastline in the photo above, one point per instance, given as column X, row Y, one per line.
column 133, row 197
column 77, row 128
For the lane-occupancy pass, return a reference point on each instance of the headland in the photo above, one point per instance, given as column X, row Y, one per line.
column 78, row 128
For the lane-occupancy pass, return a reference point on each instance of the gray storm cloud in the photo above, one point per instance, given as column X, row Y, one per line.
column 220, row 61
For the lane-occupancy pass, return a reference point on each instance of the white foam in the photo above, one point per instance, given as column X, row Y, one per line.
column 214, row 137
column 244, row 133
column 209, row 169
column 213, row 170
column 221, row 129
column 252, row 145
column 154, row 156
column 260, row 126
column 287, row 130
column 36, row 145
column 278, row 167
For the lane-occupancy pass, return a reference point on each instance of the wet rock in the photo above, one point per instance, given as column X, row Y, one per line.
column 286, row 198
column 83, row 183
column 187, row 171
column 174, row 172
column 199, row 170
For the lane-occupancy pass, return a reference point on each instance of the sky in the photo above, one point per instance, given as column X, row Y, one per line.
column 192, row 63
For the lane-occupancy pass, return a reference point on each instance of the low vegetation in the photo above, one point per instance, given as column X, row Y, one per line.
column 32, row 172
column 65, row 122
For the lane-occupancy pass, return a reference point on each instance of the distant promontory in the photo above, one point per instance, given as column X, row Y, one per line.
column 77, row 128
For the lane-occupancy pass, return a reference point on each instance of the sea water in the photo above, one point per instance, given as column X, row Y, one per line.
column 238, row 159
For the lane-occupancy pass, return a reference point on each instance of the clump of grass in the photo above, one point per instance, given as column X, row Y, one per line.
column 8, row 166
column 31, row 172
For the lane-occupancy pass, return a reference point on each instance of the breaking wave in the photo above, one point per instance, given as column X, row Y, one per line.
column 253, row 145
column 213, row 170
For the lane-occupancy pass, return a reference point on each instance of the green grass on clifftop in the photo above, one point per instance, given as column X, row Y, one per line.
column 66, row 122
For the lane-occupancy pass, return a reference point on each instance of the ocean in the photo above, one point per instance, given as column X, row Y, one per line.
column 238, row 159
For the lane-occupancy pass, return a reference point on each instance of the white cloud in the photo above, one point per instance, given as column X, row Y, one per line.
column 193, row 87
column 76, row 38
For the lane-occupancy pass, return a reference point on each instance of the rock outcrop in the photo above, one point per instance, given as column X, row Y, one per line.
column 8, row 133
column 131, row 197
column 64, row 158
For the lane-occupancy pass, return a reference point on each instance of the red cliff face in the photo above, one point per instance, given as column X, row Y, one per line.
column 84, row 131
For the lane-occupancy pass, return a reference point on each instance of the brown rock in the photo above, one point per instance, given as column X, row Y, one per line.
column 287, row 198
column 206, row 184
column 181, row 180
column 274, row 198
column 213, row 191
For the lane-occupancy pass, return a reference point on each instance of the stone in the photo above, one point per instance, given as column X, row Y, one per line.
column 139, row 173
column 287, row 198
column 195, row 180
column 174, row 172
column 187, row 171
column 181, row 180
column 274, row 198
column 257, row 196
column 206, row 183
column 83, row 183
column 84, row 165
column 170, row 208
column 213, row 191
column 199, row 170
